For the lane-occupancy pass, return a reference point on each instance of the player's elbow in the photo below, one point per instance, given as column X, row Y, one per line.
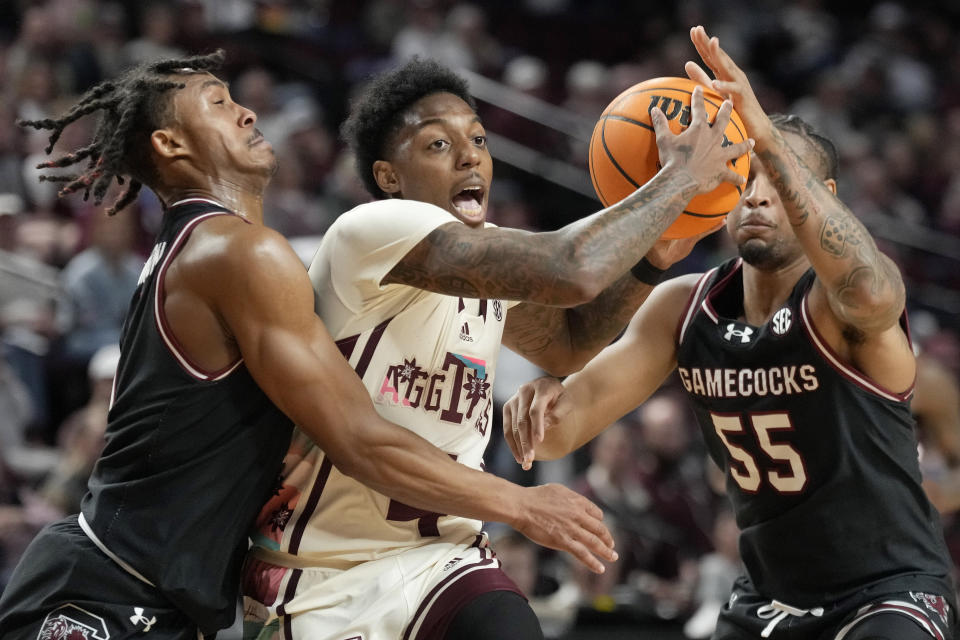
column 579, row 281
column 875, row 311
column 561, row 365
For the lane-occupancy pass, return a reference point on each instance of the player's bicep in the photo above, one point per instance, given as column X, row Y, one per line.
column 285, row 346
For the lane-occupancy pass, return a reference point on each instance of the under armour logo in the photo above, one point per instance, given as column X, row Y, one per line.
column 733, row 331
column 138, row 617
column 782, row 320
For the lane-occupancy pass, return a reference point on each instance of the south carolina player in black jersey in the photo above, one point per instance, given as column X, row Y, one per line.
column 220, row 342
column 799, row 367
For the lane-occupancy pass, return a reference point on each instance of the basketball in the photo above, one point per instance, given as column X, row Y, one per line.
column 623, row 149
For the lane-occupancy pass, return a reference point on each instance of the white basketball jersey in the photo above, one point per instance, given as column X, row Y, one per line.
column 427, row 361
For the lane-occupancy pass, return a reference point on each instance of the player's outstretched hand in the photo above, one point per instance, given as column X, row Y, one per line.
column 698, row 150
column 729, row 81
column 528, row 414
column 561, row 519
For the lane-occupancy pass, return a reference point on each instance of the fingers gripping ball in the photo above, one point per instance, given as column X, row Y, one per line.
column 623, row 149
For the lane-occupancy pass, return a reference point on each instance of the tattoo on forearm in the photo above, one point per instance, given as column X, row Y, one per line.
column 459, row 261
column 862, row 268
column 833, row 235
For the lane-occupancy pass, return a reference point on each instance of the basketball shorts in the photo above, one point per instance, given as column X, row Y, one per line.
column 751, row 616
column 65, row 588
column 409, row 596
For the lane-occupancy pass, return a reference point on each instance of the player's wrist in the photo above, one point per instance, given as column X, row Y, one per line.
column 517, row 513
column 647, row 272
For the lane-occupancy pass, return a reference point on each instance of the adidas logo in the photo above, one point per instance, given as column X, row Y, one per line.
column 465, row 333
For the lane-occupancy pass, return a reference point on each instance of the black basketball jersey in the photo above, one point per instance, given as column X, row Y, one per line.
column 191, row 455
column 821, row 462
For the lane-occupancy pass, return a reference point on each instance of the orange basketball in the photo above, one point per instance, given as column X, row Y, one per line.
column 623, row 149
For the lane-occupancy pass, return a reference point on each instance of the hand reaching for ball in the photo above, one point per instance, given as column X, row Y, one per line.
column 699, row 150
column 625, row 149
column 729, row 81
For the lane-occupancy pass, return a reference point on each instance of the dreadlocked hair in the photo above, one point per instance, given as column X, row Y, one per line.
column 819, row 152
column 377, row 113
column 132, row 106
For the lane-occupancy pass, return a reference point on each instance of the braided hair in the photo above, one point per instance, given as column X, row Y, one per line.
column 133, row 106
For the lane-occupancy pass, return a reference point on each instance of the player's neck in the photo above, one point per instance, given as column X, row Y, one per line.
column 764, row 292
column 245, row 203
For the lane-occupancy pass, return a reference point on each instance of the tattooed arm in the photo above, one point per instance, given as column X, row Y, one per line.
column 863, row 286
column 859, row 294
column 573, row 265
column 561, row 341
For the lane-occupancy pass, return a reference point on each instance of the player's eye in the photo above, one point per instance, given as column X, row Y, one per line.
column 439, row 144
column 480, row 141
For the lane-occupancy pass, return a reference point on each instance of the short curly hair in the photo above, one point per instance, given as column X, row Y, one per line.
column 377, row 113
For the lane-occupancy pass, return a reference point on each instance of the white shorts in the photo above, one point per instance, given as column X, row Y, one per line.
column 409, row 596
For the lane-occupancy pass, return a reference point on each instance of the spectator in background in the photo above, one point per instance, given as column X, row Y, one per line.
column 611, row 481
column 11, row 156
column 425, row 35
column 108, row 37
column 80, row 437
column 672, row 472
column 716, row 572
column 158, row 26
column 98, row 283
column 467, row 32
column 553, row 600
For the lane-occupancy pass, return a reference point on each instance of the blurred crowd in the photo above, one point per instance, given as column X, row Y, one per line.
column 882, row 79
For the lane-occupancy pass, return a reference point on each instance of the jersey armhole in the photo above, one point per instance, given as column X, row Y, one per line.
column 690, row 309
column 844, row 369
column 163, row 327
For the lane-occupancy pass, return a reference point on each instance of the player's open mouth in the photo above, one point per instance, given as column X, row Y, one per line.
column 469, row 201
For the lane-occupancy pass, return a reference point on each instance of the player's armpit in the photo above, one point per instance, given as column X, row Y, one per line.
column 885, row 357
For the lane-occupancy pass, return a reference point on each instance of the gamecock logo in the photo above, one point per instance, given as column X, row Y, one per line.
column 70, row 622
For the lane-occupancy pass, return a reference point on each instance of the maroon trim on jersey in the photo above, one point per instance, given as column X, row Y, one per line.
column 483, row 309
column 893, row 606
column 439, row 607
column 690, row 308
column 370, row 347
column 707, row 305
column 841, row 367
column 311, row 504
column 347, row 345
column 288, row 595
column 163, row 326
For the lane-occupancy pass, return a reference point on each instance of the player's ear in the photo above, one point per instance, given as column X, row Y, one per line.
column 831, row 184
column 386, row 177
column 166, row 143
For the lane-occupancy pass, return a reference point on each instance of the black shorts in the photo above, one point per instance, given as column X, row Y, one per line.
column 751, row 616
column 64, row 587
